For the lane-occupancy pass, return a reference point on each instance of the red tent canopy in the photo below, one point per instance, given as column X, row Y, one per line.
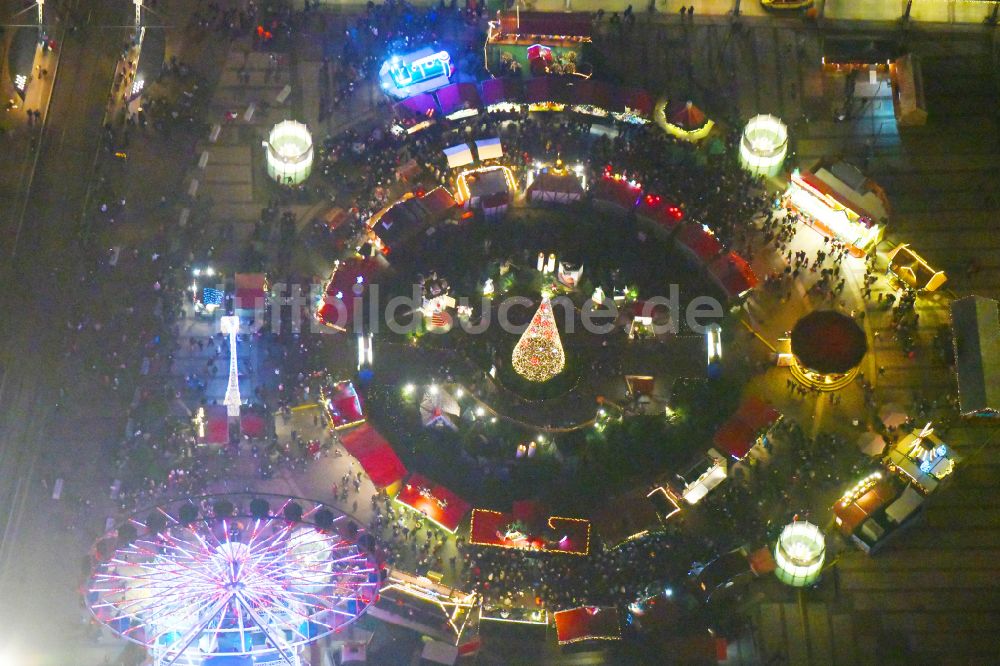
column 458, row 96
column 529, row 511
column 419, row 105
column 594, row 93
column 375, row 454
column 495, row 91
column 252, row 424
column 550, row 535
column 436, row 502
column 739, row 434
column 616, row 191
column 702, row 244
column 344, row 407
column 687, row 116
column 437, row 203
column 216, row 425
column 547, row 89
column 659, row 211
column 337, row 309
column 733, row 274
column 251, row 290
column 636, row 99
column 587, row 623
column 546, row 24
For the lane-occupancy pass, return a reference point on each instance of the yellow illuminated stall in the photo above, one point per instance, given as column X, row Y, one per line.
column 921, row 459
column 911, row 269
column 838, row 201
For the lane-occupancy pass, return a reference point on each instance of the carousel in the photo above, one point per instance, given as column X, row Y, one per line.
column 826, row 350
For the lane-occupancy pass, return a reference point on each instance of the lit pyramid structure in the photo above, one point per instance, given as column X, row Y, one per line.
column 538, row 355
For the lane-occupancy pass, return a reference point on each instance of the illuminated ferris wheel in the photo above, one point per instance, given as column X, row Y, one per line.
column 223, row 579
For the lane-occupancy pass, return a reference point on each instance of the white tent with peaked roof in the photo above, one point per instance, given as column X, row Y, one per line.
column 439, row 409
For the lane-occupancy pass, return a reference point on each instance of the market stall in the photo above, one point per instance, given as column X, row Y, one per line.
column 699, row 243
column 342, row 406
column 733, row 275
column 875, row 510
column 344, row 292
column 838, row 201
column 703, row 476
column 211, row 424
column 433, row 501
column 910, row 268
column 555, row 183
column 251, row 293
column 397, row 224
column 747, row 428
column 660, row 215
column 486, row 185
column 526, row 530
column 375, row 455
column 505, row 94
column 587, row 623
column 615, row 192
column 435, row 610
column 637, row 106
column 415, row 73
column 921, row 459
column 521, row 43
column 975, row 328
column 459, row 100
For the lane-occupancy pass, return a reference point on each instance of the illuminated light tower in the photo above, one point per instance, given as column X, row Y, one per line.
column 231, row 326
column 538, row 355
column 289, row 150
column 764, row 145
column 799, row 554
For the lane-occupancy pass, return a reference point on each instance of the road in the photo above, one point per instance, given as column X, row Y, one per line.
column 37, row 573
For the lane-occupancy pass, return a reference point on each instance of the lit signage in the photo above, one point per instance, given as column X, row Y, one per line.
column 422, row 69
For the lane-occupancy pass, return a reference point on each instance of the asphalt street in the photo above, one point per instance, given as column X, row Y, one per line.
column 39, row 288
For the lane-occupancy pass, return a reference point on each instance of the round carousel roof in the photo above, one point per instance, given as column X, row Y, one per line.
column 828, row 342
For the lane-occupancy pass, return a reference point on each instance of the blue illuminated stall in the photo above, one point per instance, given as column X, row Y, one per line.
column 421, row 71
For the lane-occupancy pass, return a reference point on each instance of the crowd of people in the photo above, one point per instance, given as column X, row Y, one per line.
column 366, row 166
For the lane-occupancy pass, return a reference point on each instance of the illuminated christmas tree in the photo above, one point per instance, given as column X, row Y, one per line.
column 538, row 355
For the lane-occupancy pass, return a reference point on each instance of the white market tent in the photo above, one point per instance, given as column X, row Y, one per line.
column 459, row 156
column 439, row 409
column 489, row 149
